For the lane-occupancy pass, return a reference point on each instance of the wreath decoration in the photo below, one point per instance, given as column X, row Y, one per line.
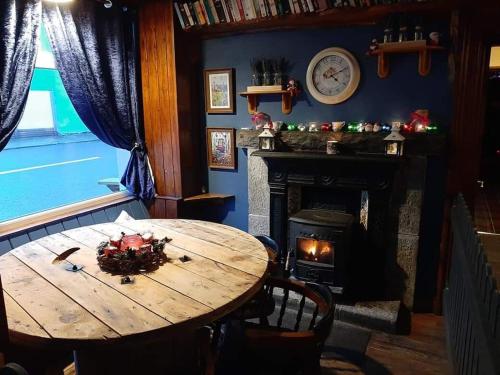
column 131, row 254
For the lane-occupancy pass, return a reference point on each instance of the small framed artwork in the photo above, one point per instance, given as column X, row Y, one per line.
column 221, row 148
column 219, row 90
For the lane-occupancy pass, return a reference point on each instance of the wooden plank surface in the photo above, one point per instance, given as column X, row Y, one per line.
column 225, row 269
column 59, row 316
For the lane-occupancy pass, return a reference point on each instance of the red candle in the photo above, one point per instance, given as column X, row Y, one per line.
column 133, row 241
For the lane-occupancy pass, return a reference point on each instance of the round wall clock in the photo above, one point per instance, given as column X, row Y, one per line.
column 333, row 75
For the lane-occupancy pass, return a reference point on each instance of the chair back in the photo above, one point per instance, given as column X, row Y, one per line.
column 301, row 320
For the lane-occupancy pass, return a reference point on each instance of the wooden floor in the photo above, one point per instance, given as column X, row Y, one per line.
column 487, row 209
column 423, row 352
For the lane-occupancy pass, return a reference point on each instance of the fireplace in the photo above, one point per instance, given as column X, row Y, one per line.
column 320, row 241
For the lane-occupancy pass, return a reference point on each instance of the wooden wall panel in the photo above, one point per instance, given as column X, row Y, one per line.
column 169, row 62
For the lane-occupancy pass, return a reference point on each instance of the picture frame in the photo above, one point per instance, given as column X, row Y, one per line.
column 219, row 90
column 221, row 148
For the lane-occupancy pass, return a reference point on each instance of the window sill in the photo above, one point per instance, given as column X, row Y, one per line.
column 59, row 213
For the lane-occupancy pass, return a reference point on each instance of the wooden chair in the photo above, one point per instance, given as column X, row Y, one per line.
column 295, row 348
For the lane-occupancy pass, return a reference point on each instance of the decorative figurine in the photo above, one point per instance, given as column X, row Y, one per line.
column 338, row 125
column 293, row 87
column 377, row 127
column 267, row 141
column 434, row 38
column 292, row 127
column 394, row 142
column 302, row 127
column 313, row 127
column 260, row 120
column 386, row 127
column 325, row 127
column 277, row 125
column 368, row 127
column 373, row 45
column 420, row 120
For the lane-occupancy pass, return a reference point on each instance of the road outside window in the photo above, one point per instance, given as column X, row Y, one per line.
column 53, row 160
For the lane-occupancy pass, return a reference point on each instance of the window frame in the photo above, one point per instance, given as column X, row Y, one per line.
column 59, row 213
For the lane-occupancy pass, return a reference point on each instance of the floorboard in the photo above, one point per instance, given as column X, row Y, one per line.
column 423, row 352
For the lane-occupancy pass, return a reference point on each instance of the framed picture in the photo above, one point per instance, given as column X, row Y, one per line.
column 221, row 148
column 219, row 90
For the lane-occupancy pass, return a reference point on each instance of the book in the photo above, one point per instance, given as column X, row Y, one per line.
column 296, row 5
column 256, row 5
column 188, row 14
column 273, row 8
column 220, row 11
column 204, row 9
column 199, row 13
column 214, row 11
column 179, row 15
column 322, row 5
column 227, row 12
column 192, row 12
column 233, row 7
column 292, row 8
column 247, row 9
column 310, row 5
column 262, row 7
column 239, row 4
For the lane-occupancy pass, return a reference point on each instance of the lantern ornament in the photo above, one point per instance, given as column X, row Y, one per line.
column 394, row 142
column 267, row 140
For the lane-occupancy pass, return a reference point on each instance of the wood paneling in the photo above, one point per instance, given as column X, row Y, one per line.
column 169, row 62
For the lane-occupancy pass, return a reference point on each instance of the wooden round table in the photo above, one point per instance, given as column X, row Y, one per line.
column 91, row 309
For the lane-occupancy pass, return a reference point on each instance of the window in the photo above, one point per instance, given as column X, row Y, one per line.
column 53, row 160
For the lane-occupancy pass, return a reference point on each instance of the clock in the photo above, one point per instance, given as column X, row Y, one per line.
column 333, row 75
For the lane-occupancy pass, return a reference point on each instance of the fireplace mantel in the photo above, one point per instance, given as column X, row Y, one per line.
column 305, row 155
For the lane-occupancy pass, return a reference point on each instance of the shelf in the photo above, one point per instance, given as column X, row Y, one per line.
column 253, row 100
column 212, row 198
column 419, row 46
column 329, row 18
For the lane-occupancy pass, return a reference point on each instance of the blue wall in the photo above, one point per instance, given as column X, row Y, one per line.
column 393, row 98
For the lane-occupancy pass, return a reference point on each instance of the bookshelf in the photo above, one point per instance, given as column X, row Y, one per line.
column 253, row 100
column 420, row 47
column 432, row 9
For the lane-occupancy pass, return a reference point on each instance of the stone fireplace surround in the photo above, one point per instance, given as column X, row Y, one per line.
column 395, row 188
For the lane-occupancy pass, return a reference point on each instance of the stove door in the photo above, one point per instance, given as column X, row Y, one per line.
column 314, row 250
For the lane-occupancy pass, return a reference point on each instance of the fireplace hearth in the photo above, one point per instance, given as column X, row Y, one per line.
column 320, row 241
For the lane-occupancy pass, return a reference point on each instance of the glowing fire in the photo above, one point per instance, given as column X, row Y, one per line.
column 315, row 250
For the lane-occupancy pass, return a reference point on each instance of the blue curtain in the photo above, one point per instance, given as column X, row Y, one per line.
column 19, row 24
column 96, row 52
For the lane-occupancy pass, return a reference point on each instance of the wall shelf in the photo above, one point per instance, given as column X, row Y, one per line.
column 424, row 55
column 347, row 16
column 208, row 198
column 253, row 100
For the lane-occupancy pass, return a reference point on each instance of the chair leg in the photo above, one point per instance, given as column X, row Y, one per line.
column 207, row 357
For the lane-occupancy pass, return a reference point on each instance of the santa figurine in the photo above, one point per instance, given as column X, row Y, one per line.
column 293, row 87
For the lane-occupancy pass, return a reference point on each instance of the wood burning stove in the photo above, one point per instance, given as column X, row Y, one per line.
column 320, row 242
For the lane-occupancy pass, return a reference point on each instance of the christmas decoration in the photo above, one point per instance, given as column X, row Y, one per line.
column 129, row 254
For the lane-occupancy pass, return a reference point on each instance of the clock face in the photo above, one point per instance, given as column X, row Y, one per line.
column 333, row 75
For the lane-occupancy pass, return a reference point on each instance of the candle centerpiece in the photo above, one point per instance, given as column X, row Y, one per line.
column 129, row 254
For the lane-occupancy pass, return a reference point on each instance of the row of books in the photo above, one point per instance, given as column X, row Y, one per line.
column 210, row 12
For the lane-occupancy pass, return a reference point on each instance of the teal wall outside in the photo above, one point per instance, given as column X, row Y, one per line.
column 66, row 119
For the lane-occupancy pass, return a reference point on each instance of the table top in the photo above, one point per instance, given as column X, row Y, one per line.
column 47, row 304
